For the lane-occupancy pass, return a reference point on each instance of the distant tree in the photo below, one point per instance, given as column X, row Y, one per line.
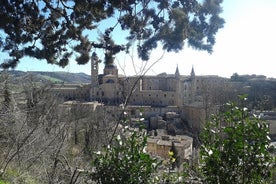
column 174, row 157
column 266, row 103
column 6, row 91
column 214, row 94
column 34, row 139
column 91, row 127
column 235, row 147
column 239, row 78
column 235, row 77
column 7, row 94
column 58, row 30
column 261, row 91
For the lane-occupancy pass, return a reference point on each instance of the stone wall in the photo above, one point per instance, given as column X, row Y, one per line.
column 148, row 111
column 155, row 98
column 79, row 92
column 108, row 93
column 272, row 127
column 194, row 115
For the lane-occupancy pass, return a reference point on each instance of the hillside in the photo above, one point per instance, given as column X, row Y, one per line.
column 54, row 77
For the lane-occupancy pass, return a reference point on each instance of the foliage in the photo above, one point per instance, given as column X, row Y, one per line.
column 33, row 138
column 261, row 90
column 126, row 161
column 174, row 157
column 3, row 182
column 18, row 175
column 44, row 29
column 187, row 175
column 235, row 147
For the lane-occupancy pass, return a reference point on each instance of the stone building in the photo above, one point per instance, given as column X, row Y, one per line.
column 157, row 91
column 69, row 92
column 161, row 145
column 163, row 90
column 158, row 94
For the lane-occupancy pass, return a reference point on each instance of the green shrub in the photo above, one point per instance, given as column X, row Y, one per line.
column 125, row 162
column 235, row 147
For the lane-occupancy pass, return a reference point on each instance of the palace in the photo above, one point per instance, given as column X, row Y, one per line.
column 157, row 94
column 161, row 90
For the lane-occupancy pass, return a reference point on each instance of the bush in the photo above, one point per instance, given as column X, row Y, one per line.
column 235, row 147
column 126, row 161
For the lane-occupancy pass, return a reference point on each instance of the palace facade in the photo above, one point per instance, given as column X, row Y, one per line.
column 159, row 91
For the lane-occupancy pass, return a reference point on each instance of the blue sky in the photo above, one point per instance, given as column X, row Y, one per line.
column 245, row 45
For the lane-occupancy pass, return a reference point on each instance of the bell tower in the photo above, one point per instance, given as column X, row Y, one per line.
column 94, row 75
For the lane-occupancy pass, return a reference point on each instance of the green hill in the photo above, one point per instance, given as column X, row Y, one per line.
column 53, row 77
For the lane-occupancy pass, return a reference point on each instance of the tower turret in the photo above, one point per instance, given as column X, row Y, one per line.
column 193, row 73
column 178, row 95
column 193, row 85
column 177, row 74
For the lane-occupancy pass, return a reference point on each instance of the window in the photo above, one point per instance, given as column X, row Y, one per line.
column 102, row 93
column 110, row 81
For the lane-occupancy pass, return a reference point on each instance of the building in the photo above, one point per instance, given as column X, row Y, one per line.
column 161, row 90
column 161, row 145
column 158, row 94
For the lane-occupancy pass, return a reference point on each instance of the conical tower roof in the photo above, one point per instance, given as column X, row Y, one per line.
column 177, row 71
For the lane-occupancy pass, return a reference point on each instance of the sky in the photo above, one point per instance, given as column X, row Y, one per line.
column 246, row 45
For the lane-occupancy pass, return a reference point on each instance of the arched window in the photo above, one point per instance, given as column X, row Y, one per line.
column 110, row 81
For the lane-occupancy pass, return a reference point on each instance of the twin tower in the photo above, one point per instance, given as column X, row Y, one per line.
column 158, row 91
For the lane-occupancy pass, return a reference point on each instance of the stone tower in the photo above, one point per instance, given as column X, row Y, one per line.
column 178, row 96
column 193, row 85
column 111, row 70
column 94, row 75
